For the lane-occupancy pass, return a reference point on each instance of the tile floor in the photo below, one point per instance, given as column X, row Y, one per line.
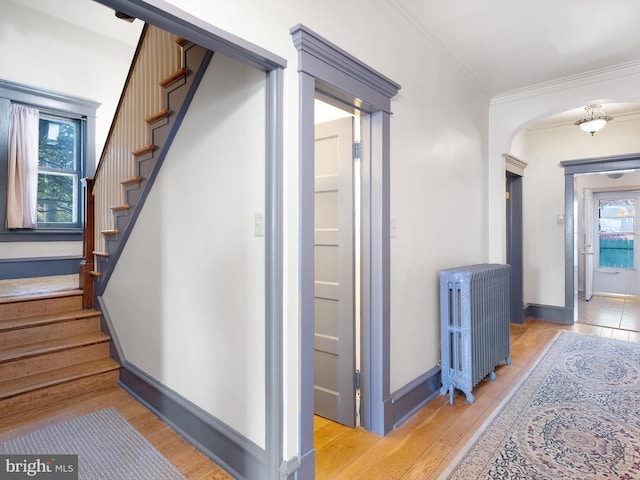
column 609, row 312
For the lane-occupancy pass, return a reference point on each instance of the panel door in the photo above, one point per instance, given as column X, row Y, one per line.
column 334, row 390
column 615, row 254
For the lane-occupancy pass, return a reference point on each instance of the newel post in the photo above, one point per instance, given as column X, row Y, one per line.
column 88, row 245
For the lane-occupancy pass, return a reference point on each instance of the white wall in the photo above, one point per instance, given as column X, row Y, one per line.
column 187, row 297
column 44, row 52
column 438, row 163
column 543, row 195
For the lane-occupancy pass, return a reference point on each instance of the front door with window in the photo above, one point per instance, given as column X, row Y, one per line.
column 616, row 258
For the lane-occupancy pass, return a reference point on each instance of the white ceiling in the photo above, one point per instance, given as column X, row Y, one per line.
column 511, row 44
column 502, row 45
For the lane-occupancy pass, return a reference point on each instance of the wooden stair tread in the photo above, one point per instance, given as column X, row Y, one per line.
column 120, row 208
column 100, row 254
column 174, row 77
column 164, row 113
column 109, row 232
column 54, row 345
column 30, row 383
column 144, row 150
column 94, row 273
column 46, row 319
column 131, row 181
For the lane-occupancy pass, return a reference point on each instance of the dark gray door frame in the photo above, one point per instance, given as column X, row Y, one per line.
column 514, row 245
column 571, row 169
column 324, row 67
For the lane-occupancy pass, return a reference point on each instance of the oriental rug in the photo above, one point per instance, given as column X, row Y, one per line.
column 108, row 448
column 576, row 416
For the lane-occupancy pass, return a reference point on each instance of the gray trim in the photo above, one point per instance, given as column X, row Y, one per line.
column 514, row 245
column 413, row 396
column 38, row 267
column 179, row 22
column 549, row 313
column 106, row 325
column 239, row 456
column 307, row 469
column 306, row 221
column 351, row 75
column 289, row 468
column 274, row 282
column 570, row 256
column 571, row 169
column 326, row 68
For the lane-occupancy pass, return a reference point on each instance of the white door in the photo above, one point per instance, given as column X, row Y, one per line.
column 615, row 256
column 334, row 389
column 587, row 249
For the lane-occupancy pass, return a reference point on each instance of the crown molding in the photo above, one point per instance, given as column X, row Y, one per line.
column 406, row 17
column 565, row 83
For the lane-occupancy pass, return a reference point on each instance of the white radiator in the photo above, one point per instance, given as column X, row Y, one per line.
column 474, row 320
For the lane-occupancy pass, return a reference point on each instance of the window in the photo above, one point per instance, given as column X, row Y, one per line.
column 616, row 227
column 59, row 172
column 66, row 148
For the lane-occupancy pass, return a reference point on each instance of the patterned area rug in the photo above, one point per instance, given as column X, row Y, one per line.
column 107, row 447
column 576, row 416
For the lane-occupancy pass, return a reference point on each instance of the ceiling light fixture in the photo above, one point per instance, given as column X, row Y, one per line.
column 594, row 119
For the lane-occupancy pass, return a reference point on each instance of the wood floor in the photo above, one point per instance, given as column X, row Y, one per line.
column 185, row 457
column 423, row 446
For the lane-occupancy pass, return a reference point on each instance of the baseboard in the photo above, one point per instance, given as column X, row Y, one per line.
column 548, row 313
column 242, row 458
column 38, row 267
column 289, row 468
column 413, row 396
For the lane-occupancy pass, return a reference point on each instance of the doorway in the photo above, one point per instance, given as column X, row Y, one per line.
column 324, row 67
column 573, row 169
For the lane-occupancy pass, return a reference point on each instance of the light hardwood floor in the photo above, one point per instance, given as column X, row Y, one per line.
column 185, row 457
column 423, row 446
column 419, row 449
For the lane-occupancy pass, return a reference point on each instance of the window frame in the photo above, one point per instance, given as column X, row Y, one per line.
column 59, row 105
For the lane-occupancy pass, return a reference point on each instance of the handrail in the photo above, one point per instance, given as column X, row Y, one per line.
column 122, row 97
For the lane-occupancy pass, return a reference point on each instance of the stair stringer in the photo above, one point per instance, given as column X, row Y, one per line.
column 178, row 97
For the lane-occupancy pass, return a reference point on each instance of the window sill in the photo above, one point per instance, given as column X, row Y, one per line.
column 41, row 235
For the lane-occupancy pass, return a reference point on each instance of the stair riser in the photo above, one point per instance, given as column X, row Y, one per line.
column 21, row 309
column 42, row 363
column 27, row 336
column 41, row 398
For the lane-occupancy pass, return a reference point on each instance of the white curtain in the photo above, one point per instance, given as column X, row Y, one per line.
column 22, row 185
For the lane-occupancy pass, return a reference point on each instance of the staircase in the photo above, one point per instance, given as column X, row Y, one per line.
column 164, row 77
column 51, row 350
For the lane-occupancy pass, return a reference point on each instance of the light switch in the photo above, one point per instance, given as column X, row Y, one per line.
column 259, row 225
column 393, row 227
